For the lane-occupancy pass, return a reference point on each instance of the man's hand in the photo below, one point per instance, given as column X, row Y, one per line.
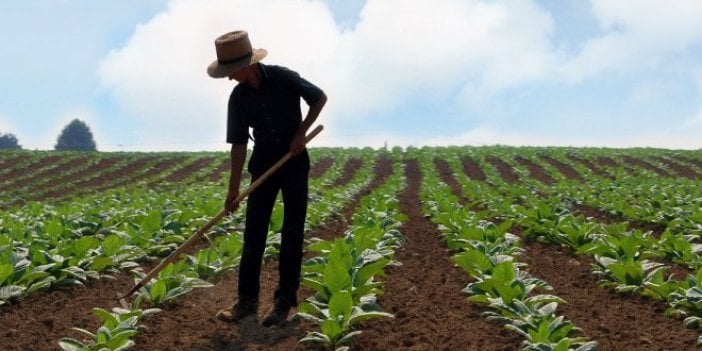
column 297, row 146
column 229, row 204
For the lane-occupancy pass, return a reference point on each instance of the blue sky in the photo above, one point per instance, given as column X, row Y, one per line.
column 616, row 73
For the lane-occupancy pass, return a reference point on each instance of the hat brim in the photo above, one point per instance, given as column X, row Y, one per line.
column 217, row 70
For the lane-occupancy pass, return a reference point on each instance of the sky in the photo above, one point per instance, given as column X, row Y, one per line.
column 601, row 73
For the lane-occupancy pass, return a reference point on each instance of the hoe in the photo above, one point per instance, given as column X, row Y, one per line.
column 174, row 255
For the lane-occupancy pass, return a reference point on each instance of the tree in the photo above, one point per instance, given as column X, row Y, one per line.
column 76, row 136
column 9, row 141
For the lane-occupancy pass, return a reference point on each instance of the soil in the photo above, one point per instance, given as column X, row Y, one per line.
column 506, row 171
column 446, row 174
column 565, row 169
column 616, row 321
column 181, row 174
column 535, row 171
column 320, row 167
column 349, row 171
column 589, row 164
column 643, row 164
column 424, row 293
column 472, row 169
column 30, row 168
column 680, row 170
column 216, row 175
column 193, row 319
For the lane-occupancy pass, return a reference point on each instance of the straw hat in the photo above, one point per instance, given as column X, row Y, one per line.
column 234, row 52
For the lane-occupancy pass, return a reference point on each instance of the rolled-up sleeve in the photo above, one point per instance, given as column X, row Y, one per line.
column 237, row 128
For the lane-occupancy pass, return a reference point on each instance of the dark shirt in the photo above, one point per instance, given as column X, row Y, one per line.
column 272, row 110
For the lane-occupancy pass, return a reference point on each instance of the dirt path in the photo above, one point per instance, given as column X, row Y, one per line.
column 506, row 171
column 565, row 169
column 472, row 169
column 535, row 171
column 637, row 162
column 424, row 293
column 589, row 164
column 320, row 167
column 617, row 322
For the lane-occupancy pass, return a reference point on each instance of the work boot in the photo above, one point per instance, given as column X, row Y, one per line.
column 238, row 311
column 278, row 315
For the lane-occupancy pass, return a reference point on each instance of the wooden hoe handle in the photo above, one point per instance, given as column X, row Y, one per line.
column 175, row 254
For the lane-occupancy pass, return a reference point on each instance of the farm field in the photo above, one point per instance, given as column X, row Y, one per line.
column 453, row 248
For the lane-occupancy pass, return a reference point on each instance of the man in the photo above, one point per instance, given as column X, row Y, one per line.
column 267, row 99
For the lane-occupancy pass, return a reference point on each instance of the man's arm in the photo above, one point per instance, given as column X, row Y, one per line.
column 238, row 156
column 298, row 142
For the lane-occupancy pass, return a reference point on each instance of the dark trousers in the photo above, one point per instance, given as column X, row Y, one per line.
column 292, row 181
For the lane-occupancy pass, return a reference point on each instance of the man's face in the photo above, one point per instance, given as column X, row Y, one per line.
column 240, row 75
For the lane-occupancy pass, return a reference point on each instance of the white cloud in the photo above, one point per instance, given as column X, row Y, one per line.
column 399, row 50
column 404, row 49
column 637, row 34
column 160, row 74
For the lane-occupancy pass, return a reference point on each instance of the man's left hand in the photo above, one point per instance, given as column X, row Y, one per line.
column 297, row 146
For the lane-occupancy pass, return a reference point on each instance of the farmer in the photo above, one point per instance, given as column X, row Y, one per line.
column 267, row 99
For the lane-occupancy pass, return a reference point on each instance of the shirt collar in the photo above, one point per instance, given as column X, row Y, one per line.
column 264, row 70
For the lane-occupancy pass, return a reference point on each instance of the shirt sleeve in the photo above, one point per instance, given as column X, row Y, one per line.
column 308, row 91
column 237, row 128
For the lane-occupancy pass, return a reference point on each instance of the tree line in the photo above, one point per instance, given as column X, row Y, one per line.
column 76, row 135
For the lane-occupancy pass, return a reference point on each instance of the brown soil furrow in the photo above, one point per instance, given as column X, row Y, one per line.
column 446, row 174
column 104, row 181
column 565, row 169
column 320, row 167
column 473, row 169
column 587, row 163
column 350, row 168
column 218, row 172
column 191, row 324
column 103, row 164
column 645, row 165
column 50, row 173
column 617, row 322
column 9, row 162
column 30, row 168
column 38, row 321
column 690, row 160
column 680, row 170
column 607, row 161
column 610, row 162
column 92, row 177
column 506, row 171
column 535, row 171
column 184, row 172
column 152, row 171
column 424, row 294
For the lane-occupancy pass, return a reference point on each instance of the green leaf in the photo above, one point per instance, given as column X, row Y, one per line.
column 158, row 291
column 340, row 304
column 6, row 271
column 70, row 344
column 112, row 244
column 83, row 245
column 331, row 329
column 107, row 318
column 11, row 291
column 336, row 276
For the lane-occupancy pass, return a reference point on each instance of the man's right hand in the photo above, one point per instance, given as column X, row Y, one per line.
column 230, row 204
